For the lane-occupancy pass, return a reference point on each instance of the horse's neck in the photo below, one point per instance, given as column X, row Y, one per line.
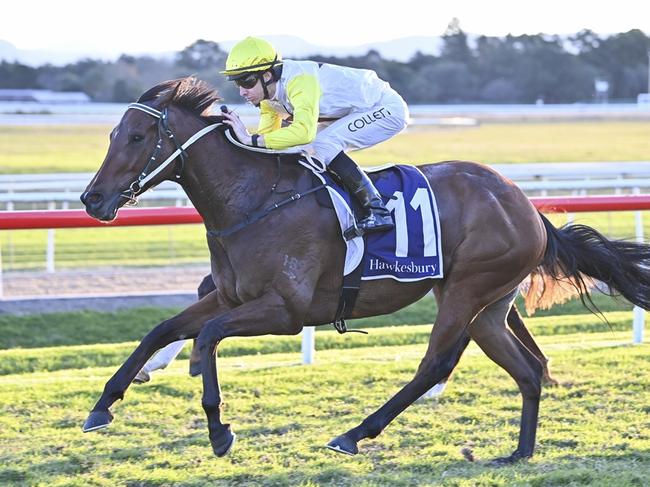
column 226, row 183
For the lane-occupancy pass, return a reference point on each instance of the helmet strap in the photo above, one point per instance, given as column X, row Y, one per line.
column 265, row 83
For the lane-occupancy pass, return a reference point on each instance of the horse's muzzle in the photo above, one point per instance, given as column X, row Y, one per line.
column 97, row 207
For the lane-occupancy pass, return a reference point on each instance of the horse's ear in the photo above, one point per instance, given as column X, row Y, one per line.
column 166, row 96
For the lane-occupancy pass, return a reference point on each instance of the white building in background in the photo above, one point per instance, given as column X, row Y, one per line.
column 44, row 96
column 601, row 88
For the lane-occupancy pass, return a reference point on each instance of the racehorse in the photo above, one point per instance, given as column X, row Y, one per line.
column 282, row 271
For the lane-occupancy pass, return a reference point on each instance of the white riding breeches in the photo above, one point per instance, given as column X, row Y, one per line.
column 360, row 129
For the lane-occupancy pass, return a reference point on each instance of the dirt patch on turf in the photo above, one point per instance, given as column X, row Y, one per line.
column 102, row 281
column 105, row 289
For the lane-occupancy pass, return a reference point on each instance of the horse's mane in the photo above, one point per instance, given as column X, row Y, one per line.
column 192, row 93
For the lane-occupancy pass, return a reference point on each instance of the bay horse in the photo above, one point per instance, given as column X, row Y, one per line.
column 279, row 273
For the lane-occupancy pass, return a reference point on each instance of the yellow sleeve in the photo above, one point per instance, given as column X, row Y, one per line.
column 303, row 92
column 270, row 120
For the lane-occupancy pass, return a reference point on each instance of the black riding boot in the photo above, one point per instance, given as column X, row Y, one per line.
column 378, row 217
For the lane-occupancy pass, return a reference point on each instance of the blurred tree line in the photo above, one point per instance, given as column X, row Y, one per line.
column 511, row 69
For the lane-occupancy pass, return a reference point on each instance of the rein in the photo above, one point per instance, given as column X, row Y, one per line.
column 135, row 188
column 258, row 215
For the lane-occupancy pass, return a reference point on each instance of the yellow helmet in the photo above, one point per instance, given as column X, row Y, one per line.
column 250, row 55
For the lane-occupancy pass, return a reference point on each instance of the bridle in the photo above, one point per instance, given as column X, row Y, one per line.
column 150, row 170
column 135, row 188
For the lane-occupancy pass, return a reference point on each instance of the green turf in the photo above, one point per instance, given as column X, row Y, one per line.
column 90, row 327
column 28, row 149
column 593, row 428
column 518, row 143
column 58, row 341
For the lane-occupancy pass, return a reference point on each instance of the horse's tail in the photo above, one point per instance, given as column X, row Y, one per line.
column 580, row 254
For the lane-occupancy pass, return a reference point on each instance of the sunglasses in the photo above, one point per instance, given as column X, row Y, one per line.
column 247, row 82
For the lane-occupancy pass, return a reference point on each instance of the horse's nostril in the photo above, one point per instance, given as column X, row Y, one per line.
column 92, row 198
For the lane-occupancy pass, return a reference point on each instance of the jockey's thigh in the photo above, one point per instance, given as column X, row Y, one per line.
column 361, row 129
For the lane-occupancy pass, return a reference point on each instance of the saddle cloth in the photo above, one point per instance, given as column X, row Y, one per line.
column 411, row 251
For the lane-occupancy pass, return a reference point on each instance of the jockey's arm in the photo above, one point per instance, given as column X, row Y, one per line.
column 270, row 120
column 304, row 94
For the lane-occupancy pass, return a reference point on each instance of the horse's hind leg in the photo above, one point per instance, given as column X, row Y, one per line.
column 490, row 333
column 447, row 342
column 518, row 327
column 205, row 288
column 516, row 324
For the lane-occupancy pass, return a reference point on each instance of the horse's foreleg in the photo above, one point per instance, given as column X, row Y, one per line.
column 186, row 324
column 167, row 354
column 267, row 315
column 447, row 343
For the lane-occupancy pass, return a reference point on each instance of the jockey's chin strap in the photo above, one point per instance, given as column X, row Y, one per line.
column 150, row 170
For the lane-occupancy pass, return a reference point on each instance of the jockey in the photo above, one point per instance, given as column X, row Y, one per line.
column 330, row 109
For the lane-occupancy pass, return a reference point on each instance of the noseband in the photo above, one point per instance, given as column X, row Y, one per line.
column 149, row 171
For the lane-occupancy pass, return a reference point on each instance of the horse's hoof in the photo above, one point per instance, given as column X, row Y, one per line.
column 97, row 420
column 142, row 377
column 195, row 369
column 514, row 458
column 343, row 444
column 224, row 443
column 548, row 381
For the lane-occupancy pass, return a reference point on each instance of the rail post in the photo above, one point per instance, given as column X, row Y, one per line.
column 2, row 292
column 638, row 322
column 308, row 345
column 51, row 235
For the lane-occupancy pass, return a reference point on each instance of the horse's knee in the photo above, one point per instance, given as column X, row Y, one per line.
column 211, row 406
column 529, row 378
column 536, row 364
column 211, row 334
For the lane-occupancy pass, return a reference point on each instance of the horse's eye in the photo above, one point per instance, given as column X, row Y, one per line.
column 136, row 138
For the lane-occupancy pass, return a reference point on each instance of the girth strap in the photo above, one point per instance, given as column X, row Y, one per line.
column 258, row 215
column 349, row 293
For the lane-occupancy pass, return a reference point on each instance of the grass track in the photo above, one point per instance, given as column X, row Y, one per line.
column 71, row 148
column 594, row 429
column 90, row 328
column 17, row 360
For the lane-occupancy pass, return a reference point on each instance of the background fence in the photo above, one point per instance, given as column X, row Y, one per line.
column 50, row 250
column 13, row 220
